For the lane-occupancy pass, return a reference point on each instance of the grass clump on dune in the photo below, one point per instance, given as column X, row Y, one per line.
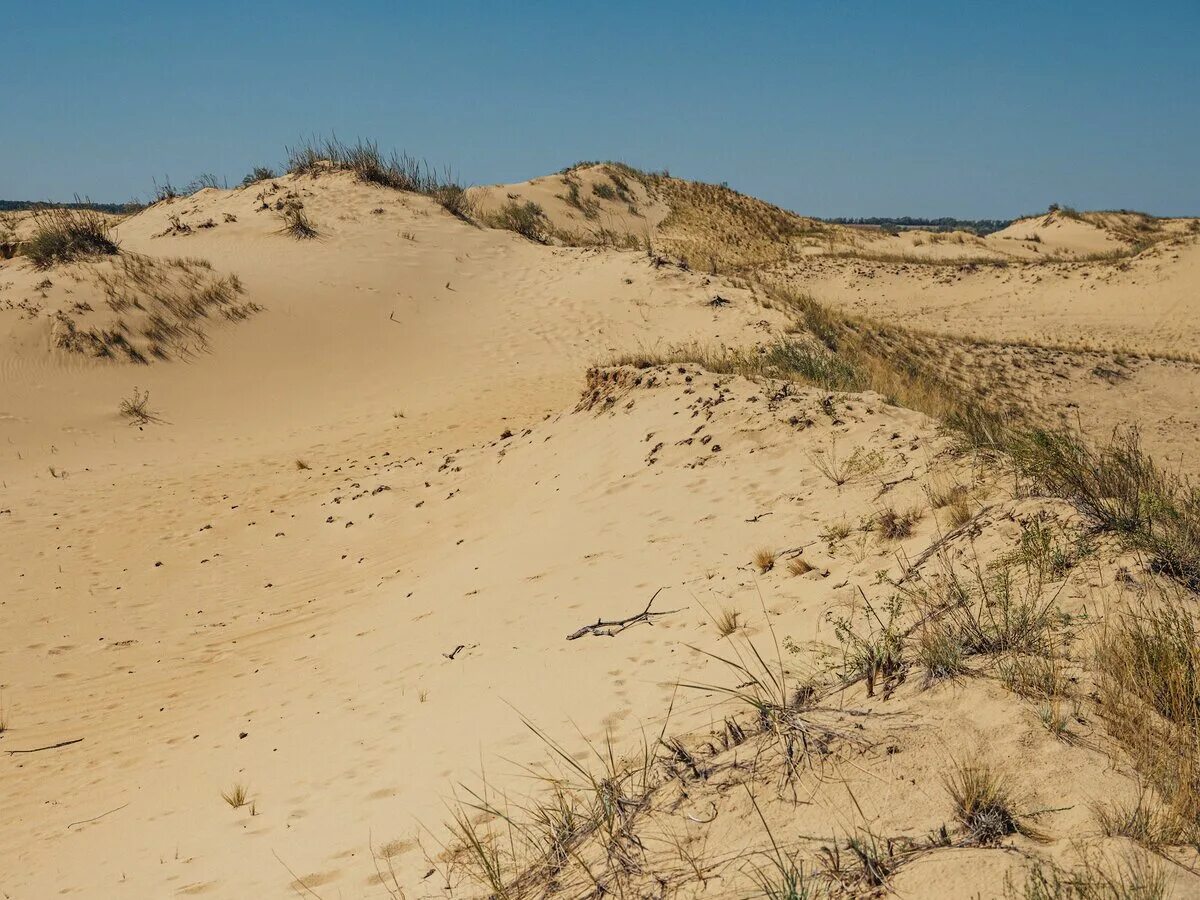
column 526, row 219
column 62, row 235
column 296, row 221
column 368, row 163
column 1149, row 665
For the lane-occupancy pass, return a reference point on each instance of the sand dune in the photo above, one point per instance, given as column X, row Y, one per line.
column 381, row 482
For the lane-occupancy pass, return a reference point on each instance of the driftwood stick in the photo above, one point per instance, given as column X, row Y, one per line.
column 942, row 542
column 101, row 816
column 613, row 627
column 47, row 747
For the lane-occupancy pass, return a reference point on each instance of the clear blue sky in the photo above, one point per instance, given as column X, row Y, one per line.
column 922, row 108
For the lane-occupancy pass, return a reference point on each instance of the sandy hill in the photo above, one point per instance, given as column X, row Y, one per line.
column 352, row 549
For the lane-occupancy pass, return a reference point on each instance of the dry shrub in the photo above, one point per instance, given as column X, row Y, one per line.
column 137, row 409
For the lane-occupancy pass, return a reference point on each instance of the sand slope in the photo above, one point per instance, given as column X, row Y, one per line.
column 343, row 567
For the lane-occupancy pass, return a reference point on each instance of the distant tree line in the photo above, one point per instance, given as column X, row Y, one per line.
column 15, row 205
column 945, row 223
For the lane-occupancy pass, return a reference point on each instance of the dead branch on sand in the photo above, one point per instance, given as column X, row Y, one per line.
column 614, row 627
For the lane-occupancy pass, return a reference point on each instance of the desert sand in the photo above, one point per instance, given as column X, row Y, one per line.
column 381, row 475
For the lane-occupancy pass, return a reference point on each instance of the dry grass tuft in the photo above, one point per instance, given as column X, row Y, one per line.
column 236, row 796
column 939, row 652
column 894, row 526
column 727, row 622
column 765, row 558
column 800, row 566
column 982, row 802
column 296, row 221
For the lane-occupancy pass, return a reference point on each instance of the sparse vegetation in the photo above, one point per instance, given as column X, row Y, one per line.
column 1148, row 660
column 799, row 566
column 727, row 622
column 257, row 174
column 982, row 802
column 1127, row 877
column 859, row 464
column 137, row 409
column 874, row 649
column 895, row 525
column 764, row 559
column 526, row 219
column 939, row 651
column 365, row 161
column 236, row 796
column 62, row 235
column 157, row 306
column 296, row 221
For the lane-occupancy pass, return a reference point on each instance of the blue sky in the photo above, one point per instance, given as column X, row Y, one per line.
column 921, row 108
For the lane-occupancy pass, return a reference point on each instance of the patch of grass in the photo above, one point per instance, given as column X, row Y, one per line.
column 1151, row 509
column 895, row 525
column 526, row 219
column 368, row 163
column 873, row 651
column 169, row 304
column 799, row 566
column 1002, row 610
column 236, row 796
column 1148, row 661
column 859, row 464
column 202, row 181
column 1145, row 821
column 727, row 622
column 1034, row 677
column 982, row 802
column 867, row 865
column 791, row 359
column 302, row 466
column 61, row 235
column 939, row 652
column 1125, row 877
column 764, row 559
column 296, row 221
column 164, row 191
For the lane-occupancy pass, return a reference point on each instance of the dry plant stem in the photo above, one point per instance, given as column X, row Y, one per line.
column 614, row 627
